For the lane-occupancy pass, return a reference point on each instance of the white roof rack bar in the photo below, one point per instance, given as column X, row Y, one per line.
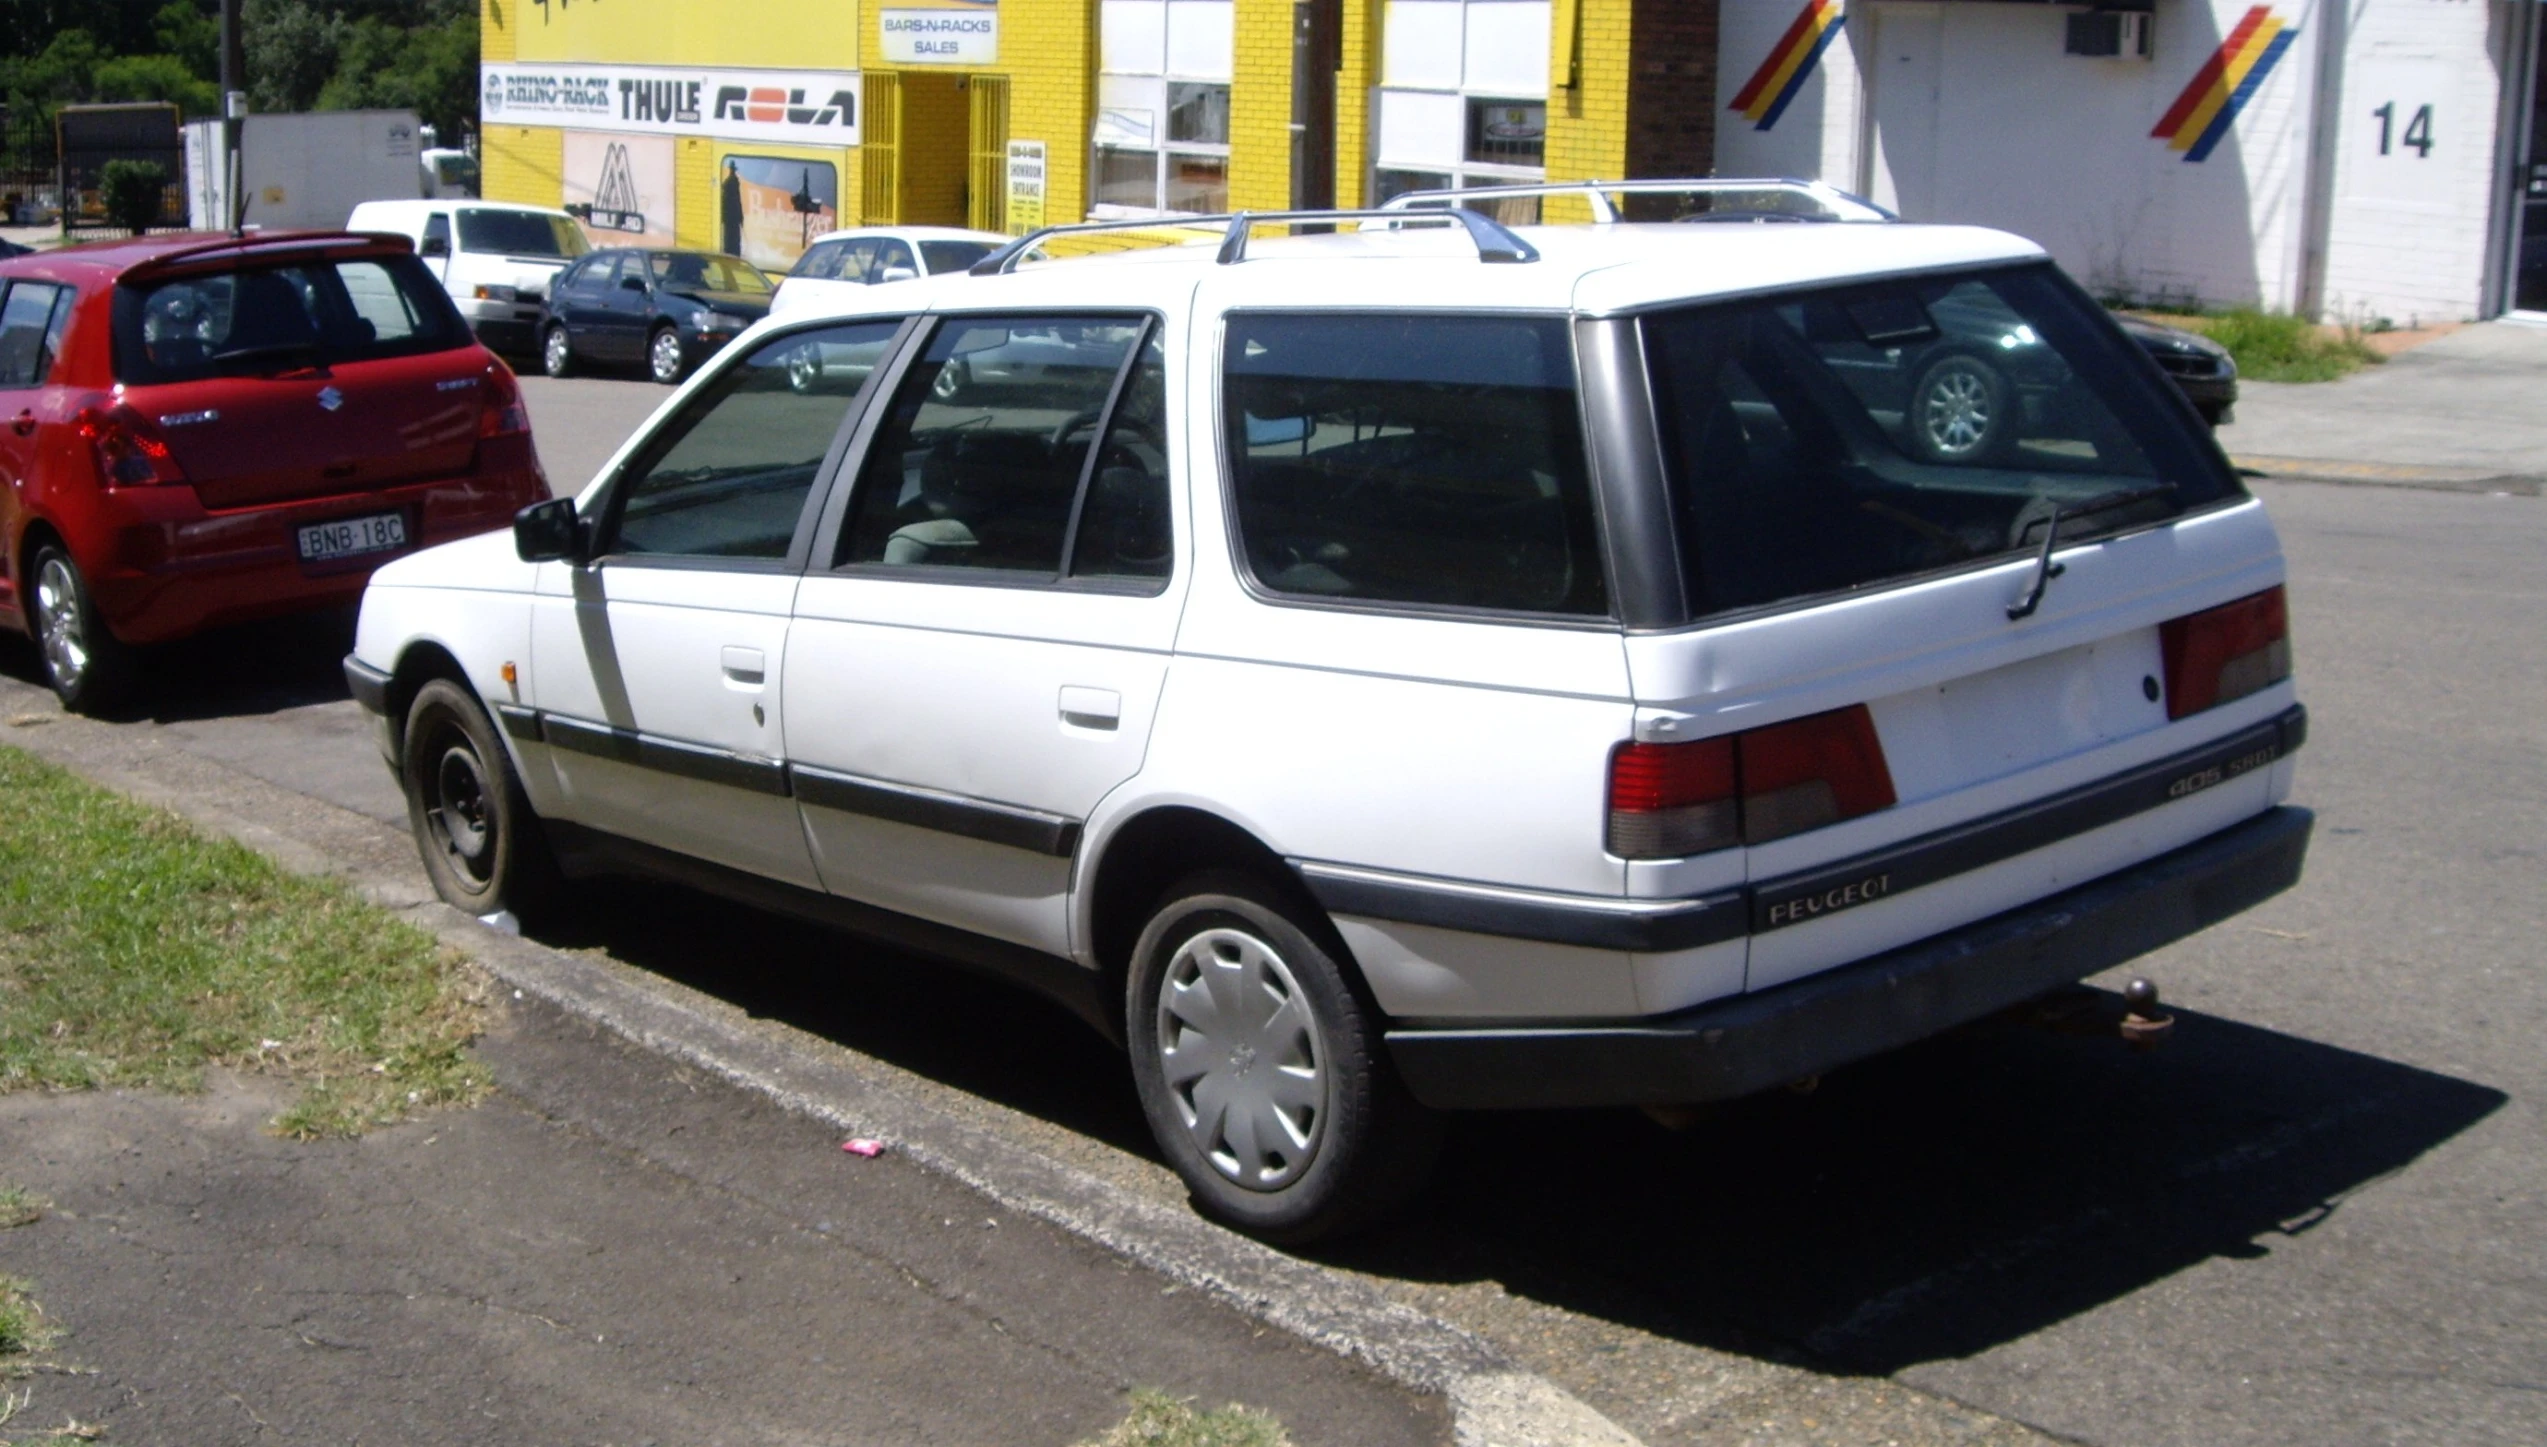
column 1839, row 204
column 1494, row 242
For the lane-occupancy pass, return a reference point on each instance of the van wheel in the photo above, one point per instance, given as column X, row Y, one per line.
column 666, row 360
column 1961, row 411
column 1261, row 1070
column 481, row 843
column 88, row 666
column 556, row 353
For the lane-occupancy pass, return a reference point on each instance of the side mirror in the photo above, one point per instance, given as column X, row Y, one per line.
column 435, row 246
column 549, row 531
column 897, row 273
column 632, row 283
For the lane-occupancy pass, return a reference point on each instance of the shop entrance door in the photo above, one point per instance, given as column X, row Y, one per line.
column 937, row 150
column 2529, row 254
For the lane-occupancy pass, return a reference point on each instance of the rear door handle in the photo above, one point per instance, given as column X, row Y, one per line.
column 1091, row 708
column 25, row 422
column 747, row 666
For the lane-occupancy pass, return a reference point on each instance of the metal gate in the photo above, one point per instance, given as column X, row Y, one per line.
column 986, row 194
column 880, row 149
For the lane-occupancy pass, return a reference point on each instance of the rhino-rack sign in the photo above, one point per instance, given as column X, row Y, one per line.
column 815, row 108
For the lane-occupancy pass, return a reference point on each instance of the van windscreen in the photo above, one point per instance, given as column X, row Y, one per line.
column 520, row 233
column 1838, row 439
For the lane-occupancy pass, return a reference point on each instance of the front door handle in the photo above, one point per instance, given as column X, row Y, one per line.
column 746, row 666
column 1091, row 708
column 24, row 423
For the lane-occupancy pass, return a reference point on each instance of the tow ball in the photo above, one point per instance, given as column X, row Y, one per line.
column 2143, row 1023
column 2079, row 1010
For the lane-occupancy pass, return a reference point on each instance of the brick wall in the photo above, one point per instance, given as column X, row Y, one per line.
column 1671, row 88
column 1588, row 121
column 1355, row 91
column 522, row 163
column 1260, row 106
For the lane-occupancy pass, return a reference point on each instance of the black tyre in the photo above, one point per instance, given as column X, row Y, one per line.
column 474, row 826
column 1262, row 1069
column 1961, row 410
column 89, row 668
column 667, row 359
column 556, row 352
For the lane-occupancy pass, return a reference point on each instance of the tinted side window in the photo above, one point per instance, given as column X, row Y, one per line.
column 989, row 442
column 437, row 236
column 1123, row 529
column 892, row 254
column 820, row 263
column 729, row 476
column 26, row 317
column 946, row 256
column 1433, row 460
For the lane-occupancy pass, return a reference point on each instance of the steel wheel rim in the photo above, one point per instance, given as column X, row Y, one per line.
column 554, row 358
column 461, row 820
column 667, row 356
column 804, row 368
column 65, row 640
column 1243, row 1058
column 1956, row 410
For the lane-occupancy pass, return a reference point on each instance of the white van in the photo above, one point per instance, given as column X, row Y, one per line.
column 495, row 258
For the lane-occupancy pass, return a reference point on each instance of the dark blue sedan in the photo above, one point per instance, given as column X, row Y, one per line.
column 669, row 310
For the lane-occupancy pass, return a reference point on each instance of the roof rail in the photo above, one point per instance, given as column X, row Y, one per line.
column 1494, row 243
column 1836, row 204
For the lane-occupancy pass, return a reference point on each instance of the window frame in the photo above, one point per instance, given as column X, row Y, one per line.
column 1603, row 548
column 1161, row 150
column 832, row 533
column 611, row 497
column 49, row 336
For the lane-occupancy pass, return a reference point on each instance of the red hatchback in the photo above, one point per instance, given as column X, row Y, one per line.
column 205, row 430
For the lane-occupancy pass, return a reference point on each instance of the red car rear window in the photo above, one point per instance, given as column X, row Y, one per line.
column 295, row 315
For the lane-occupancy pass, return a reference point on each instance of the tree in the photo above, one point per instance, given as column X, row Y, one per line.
column 135, row 192
column 292, row 49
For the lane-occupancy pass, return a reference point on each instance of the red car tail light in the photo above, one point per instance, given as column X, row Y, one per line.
column 130, row 449
column 1812, row 771
column 2227, row 652
column 504, row 414
column 1668, row 800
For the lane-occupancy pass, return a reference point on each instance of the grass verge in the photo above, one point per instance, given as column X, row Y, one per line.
column 135, row 952
column 1159, row 1420
column 2272, row 347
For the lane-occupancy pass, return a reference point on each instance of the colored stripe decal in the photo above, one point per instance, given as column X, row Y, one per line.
column 2204, row 112
column 1789, row 64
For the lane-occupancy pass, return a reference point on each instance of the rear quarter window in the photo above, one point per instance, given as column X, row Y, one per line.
column 314, row 314
column 1425, row 460
column 1839, row 439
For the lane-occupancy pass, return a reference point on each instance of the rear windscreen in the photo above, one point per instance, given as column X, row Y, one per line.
column 946, row 256
column 313, row 314
column 520, row 233
column 1844, row 438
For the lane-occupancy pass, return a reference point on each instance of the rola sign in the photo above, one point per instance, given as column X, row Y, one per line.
column 808, row 107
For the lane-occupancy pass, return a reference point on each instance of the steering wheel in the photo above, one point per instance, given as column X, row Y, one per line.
column 1071, row 426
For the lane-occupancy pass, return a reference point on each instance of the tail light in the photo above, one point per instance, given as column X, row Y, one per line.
column 130, row 449
column 504, row 414
column 2226, row 653
column 1668, row 800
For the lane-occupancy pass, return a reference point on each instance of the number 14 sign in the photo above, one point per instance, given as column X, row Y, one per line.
column 2400, row 137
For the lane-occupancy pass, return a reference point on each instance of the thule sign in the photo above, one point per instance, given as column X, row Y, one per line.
column 808, row 107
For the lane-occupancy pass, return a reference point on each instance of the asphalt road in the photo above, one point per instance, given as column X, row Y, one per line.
column 2315, row 1216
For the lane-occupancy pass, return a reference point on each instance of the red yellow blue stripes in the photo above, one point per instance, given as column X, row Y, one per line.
column 2201, row 116
column 1764, row 98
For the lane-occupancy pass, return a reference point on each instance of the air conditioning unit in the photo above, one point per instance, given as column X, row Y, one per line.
column 2111, row 34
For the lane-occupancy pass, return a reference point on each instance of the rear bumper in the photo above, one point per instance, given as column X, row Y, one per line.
column 515, row 336
column 1735, row 1047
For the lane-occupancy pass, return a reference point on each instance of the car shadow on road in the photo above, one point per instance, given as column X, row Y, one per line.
column 1930, row 1204
column 249, row 668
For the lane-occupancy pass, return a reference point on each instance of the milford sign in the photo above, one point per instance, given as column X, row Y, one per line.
column 817, row 108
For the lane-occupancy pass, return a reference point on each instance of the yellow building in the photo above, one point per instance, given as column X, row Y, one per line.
column 754, row 129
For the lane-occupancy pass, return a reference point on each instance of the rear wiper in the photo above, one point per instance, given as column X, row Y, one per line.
column 2045, row 570
column 269, row 349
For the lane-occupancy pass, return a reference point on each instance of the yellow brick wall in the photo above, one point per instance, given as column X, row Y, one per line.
column 523, row 163
column 1587, row 122
column 496, row 19
column 1354, row 86
column 774, row 34
column 1260, row 106
column 694, row 199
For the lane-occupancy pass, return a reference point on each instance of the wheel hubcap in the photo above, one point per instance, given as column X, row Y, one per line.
column 804, row 368
column 1957, row 411
column 460, row 812
column 556, row 351
column 667, row 356
column 57, row 609
column 1243, row 1058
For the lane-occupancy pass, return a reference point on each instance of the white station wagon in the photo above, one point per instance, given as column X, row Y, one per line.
column 1422, row 667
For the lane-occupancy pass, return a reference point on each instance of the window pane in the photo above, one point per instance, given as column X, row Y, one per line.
column 1197, row 113
column 1850, row 437
column 378, row 303
column 520, row 233
column 891, row 256
column 1127, row 178
column 1413, row 459
column 729, row 478
column 946, row 256
column 247, row 321
column 820, row 263
column 24, row 316
column 1392, row 184
column 1507, row 132
column 1198, row 183
column 707, row 271
column 978, row 462
column 1123, row 526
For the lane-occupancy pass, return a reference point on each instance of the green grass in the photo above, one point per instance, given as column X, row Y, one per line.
column 2272, row 347
column 21, row 1207
column 23, row 1329
column 135, row 952
column 1159, row 1420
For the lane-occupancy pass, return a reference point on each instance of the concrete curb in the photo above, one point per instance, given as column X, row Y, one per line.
column 2391, row 474
column 1493, row 1402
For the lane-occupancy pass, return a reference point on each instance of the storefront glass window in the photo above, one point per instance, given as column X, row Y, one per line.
column 1127, row 178
column 1197, row 184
